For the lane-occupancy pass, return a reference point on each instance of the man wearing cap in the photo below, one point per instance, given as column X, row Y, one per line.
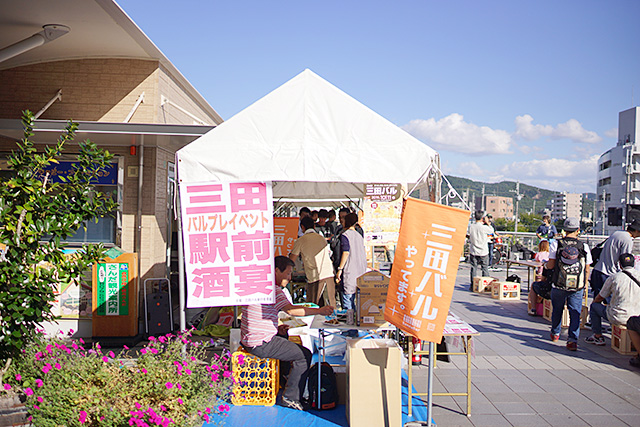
column 625, row 299
column 573, row 254
column 620, row 242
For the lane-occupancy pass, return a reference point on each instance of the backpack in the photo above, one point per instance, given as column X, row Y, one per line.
column 328, row 388
column 569, row 277
column 596, row 252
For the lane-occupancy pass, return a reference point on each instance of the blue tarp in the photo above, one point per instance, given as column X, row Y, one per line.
column 272, row 416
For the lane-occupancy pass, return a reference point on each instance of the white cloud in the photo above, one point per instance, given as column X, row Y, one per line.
column 611, row 133
column 471, row 169
column 452, row 133
column 556, row 174
column 571, row 129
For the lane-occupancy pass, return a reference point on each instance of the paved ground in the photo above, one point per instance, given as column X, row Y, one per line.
column 521, row 378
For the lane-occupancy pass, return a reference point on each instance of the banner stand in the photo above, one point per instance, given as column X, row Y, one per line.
column 432, row 355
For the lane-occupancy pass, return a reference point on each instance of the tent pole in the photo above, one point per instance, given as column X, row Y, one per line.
column 181, row 284
column 432, row 357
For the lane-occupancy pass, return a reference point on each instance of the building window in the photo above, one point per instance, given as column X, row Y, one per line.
column 605, row 165
column 607, row 197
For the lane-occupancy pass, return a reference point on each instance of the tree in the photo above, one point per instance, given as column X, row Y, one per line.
column 37, row 215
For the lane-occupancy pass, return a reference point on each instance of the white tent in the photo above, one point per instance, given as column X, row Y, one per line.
column 311, row 140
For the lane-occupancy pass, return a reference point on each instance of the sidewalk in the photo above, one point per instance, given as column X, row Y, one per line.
column 520, row 378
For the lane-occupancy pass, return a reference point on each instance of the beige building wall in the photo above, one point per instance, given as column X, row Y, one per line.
column 106, row 90
column 499, row 207
column 101, row 90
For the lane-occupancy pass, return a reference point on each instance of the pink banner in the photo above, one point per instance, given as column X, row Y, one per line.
column 227, row 229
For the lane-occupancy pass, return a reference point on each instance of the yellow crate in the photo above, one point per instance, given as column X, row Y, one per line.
column 483, row 284
column 256, row 381
column 620, row 340
column 506, row 291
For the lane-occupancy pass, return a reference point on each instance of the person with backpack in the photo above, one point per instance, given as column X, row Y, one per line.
column 620, row 242
column 570, row 261
column 624, row 290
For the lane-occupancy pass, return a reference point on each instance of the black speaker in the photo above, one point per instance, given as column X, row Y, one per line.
column 614, row 217
column 633, row 212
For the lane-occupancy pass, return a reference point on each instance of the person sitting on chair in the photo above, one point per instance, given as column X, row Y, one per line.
column 259, row 334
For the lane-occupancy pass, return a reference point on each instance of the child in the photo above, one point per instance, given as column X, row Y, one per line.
column 539, row 286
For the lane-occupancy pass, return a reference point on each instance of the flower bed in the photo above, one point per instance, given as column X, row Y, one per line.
column 68, row 384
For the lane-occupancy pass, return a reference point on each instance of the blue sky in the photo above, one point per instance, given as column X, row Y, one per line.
column 504, row 90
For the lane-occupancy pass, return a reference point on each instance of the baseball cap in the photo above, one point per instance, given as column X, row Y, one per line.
column 635, row 225
column 571, row 224
column 626, row 260
column 570, row 255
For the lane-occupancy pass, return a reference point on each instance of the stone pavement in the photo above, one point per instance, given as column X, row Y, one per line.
column 521, row 378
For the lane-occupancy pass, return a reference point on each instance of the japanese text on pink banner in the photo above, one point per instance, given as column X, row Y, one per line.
column 228, row 240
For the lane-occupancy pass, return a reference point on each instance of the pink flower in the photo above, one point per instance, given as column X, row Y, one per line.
column 169, row 385
column 81, row 341
column 125, row 347
column 39, row 399
column 179, row 386
column 240, row 359
column 28, row 391
column 36, row 407
column 143, row 351
column 138, row 405
column 144, row 371
column 39, row 382
column 46, row 368
column 187, row 371
column 38, row 355
column 193, row 359
column 98, row 346
column 58, row 366
column 216, row 367
column 152, row 338
column 75, row 346
column 162, row 408
column 215, row 377
column 7, row 386
column 180, row 401
column 83, row 417
column 18, row 377
column 112, row 355
column 226, row 374
column 105, row 359
column 223, row 408
column 162, row 339
column 154, row 350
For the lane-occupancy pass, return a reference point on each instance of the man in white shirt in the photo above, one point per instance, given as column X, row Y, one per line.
column 478, row 234
column 624, row 290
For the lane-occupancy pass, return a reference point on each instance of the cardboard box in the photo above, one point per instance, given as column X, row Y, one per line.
column 483, row 284
column 373, row 287
column 506, row 291
column 374, row 387
column 620, row 340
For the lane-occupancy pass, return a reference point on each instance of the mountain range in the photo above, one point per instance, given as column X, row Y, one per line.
column 534, row 199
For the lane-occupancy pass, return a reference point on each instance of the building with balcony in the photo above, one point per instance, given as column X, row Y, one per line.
column 565, row 205
column 618, row 179
column 497, row 206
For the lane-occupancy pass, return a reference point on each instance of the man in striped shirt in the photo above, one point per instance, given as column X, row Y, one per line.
column 260, row 328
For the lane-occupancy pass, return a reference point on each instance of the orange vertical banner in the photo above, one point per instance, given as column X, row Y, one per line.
column 285, row 232
column 425, row 267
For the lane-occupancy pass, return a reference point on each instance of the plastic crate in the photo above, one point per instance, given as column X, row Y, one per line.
column 255, row 381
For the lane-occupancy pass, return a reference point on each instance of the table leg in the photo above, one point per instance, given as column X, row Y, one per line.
column 528, row 279
column 410, row 368
column 468, row 342
column 320, row 360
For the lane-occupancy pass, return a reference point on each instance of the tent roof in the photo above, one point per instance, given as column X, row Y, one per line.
column 310, row 139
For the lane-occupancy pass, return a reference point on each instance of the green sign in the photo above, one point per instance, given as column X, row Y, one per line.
column 113, row 289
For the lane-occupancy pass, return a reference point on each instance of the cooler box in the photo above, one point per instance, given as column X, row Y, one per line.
column 374, row 383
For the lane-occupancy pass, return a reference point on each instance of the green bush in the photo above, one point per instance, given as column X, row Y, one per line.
column 169, row 384
column 36, row 216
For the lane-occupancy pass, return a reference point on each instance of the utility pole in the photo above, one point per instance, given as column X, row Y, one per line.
column 483, row 208
column 518, row 197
